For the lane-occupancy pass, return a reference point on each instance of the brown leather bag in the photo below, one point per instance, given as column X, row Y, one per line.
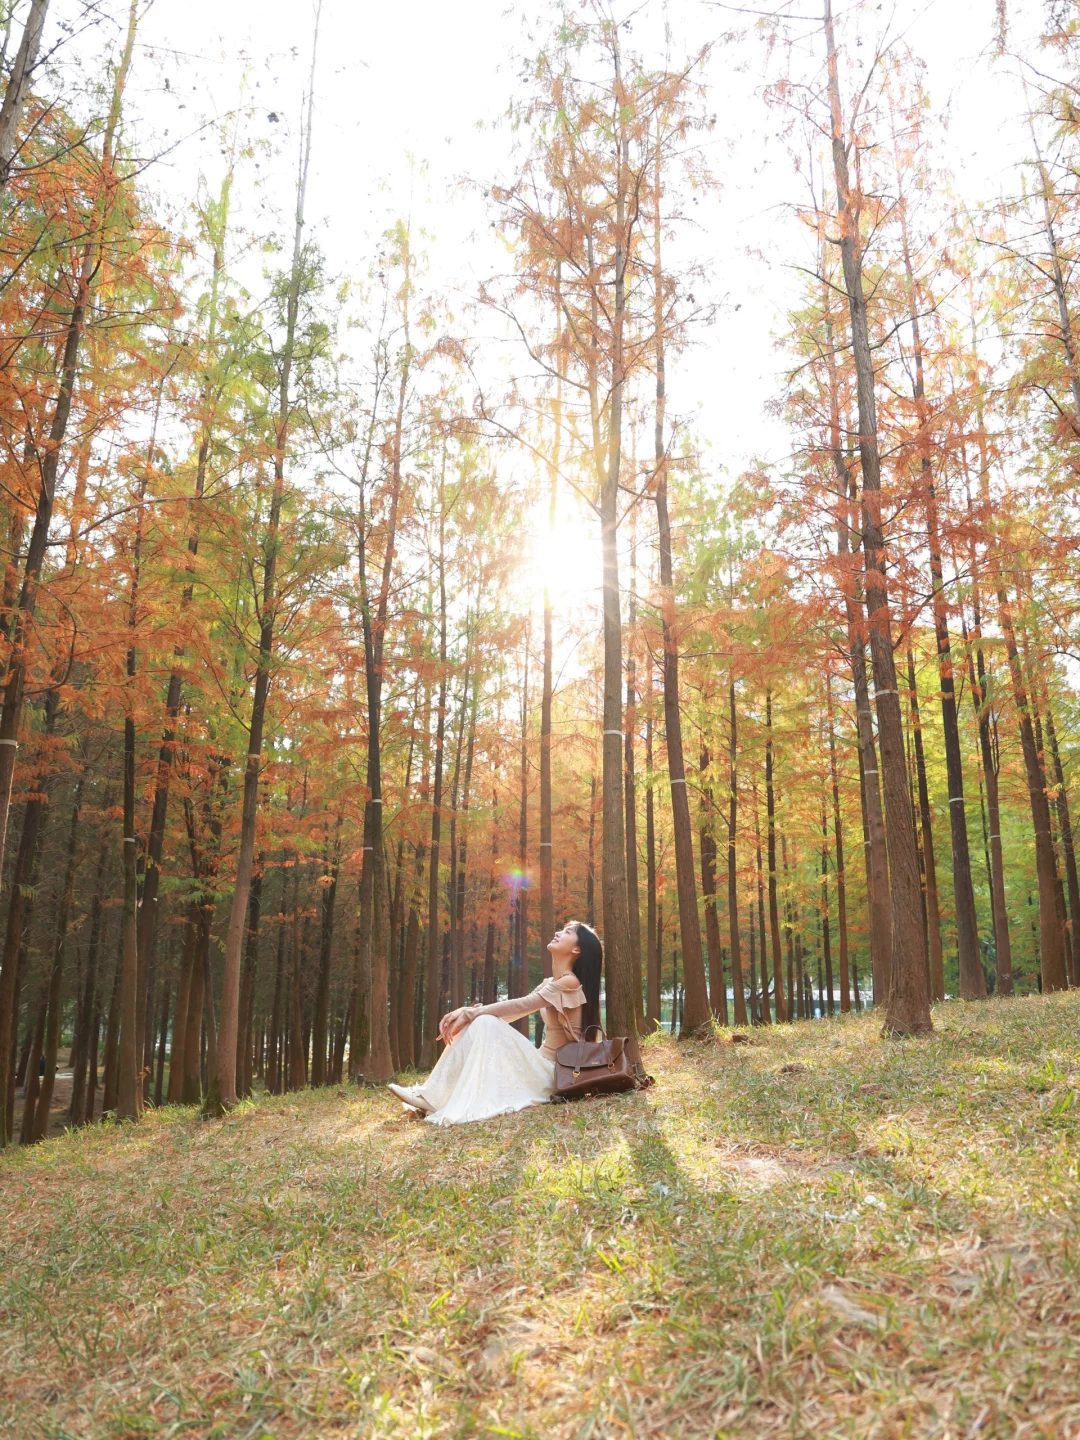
column 595, row 1067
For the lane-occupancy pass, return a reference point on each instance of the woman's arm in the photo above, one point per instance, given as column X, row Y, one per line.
column 453, row 1023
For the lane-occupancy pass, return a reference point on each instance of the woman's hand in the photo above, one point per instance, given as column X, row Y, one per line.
column 452, row 1024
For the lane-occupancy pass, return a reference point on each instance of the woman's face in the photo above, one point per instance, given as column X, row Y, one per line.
column 564, row 945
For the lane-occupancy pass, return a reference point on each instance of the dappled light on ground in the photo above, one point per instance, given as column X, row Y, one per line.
column 819, row 1233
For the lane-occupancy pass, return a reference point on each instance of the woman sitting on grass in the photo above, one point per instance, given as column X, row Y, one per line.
column 488, row 1068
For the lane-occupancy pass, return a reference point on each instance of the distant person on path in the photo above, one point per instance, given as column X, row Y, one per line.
column 488, row 1068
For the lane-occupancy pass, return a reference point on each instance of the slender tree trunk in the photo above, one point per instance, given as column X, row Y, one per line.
column 933, row 909
column 838, row 838
column 274, row 1067
column 163, row 1037
column 175, row 1094
column 990, row 759
column 1051, row 940
column 826, row 925
column 908, row 1010
column 547, row 888
column 493, row 895
column 732, row 865
column 428, row 1054
column 618, row 964
column 1065, row 827
column 112, row 1037
column 191, row 1083
column 783, row 1011
column 32, row 1074
column 320, row 1027
column 652, row 1007
column 519, row 983
column 88, row 1006
column 707, row 846
column 972, row 980
column 766, row 1009
column 630, row 783
column 247, row 989
column 875, row 849
column 457, row 971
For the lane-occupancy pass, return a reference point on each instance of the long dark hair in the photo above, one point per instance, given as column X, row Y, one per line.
column 587, row 968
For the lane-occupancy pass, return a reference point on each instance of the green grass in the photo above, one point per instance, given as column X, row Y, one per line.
column 878, row 1240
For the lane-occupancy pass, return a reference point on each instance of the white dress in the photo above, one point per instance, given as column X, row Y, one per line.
column 490, row 1069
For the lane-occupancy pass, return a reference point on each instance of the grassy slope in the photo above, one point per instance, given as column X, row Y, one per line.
column 881, row 1243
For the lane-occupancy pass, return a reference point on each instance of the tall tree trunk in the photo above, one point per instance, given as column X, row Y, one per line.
column 697, row 999
column 274, row 1067
column 1065, row 827
column 191, row 1082
column 163, row 1036
column 783, row 1011
column 630, row 783
column 547, row 888
column 247, row 988
column 133, row 985
column 984, row 715
column 826, row 926
column 908, row 1009
column 519, row 981
column 652, row 954
column 457, row 971
column 847, row 540
column 933, row 909
column 463, row 853
column 493, row 895
column 112, row 1037
column 175, row 1093
column 222, row 1094
column 838, row 837
column 707, row 847
column 1051, row 939
column 972, row 980
column 737, row 984
column 320, row 1025
column 431, row 1007
column 372, row 955
column 88, row 1001
column 621, row 1007
column 766, row 1009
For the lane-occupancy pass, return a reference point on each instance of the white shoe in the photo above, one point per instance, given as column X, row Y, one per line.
column 410, row 1095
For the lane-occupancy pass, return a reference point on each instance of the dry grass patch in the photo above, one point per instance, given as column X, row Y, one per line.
column 819, row 1234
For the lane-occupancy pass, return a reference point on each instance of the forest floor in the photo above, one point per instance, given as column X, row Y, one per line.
column 820, row 1233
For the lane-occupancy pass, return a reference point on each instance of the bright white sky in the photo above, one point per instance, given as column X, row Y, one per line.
column 424, row 82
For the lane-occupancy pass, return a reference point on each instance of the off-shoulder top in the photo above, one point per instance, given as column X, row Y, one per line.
column 559, row 1002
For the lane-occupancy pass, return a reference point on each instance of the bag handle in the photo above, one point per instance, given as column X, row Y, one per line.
column 581, row 1045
